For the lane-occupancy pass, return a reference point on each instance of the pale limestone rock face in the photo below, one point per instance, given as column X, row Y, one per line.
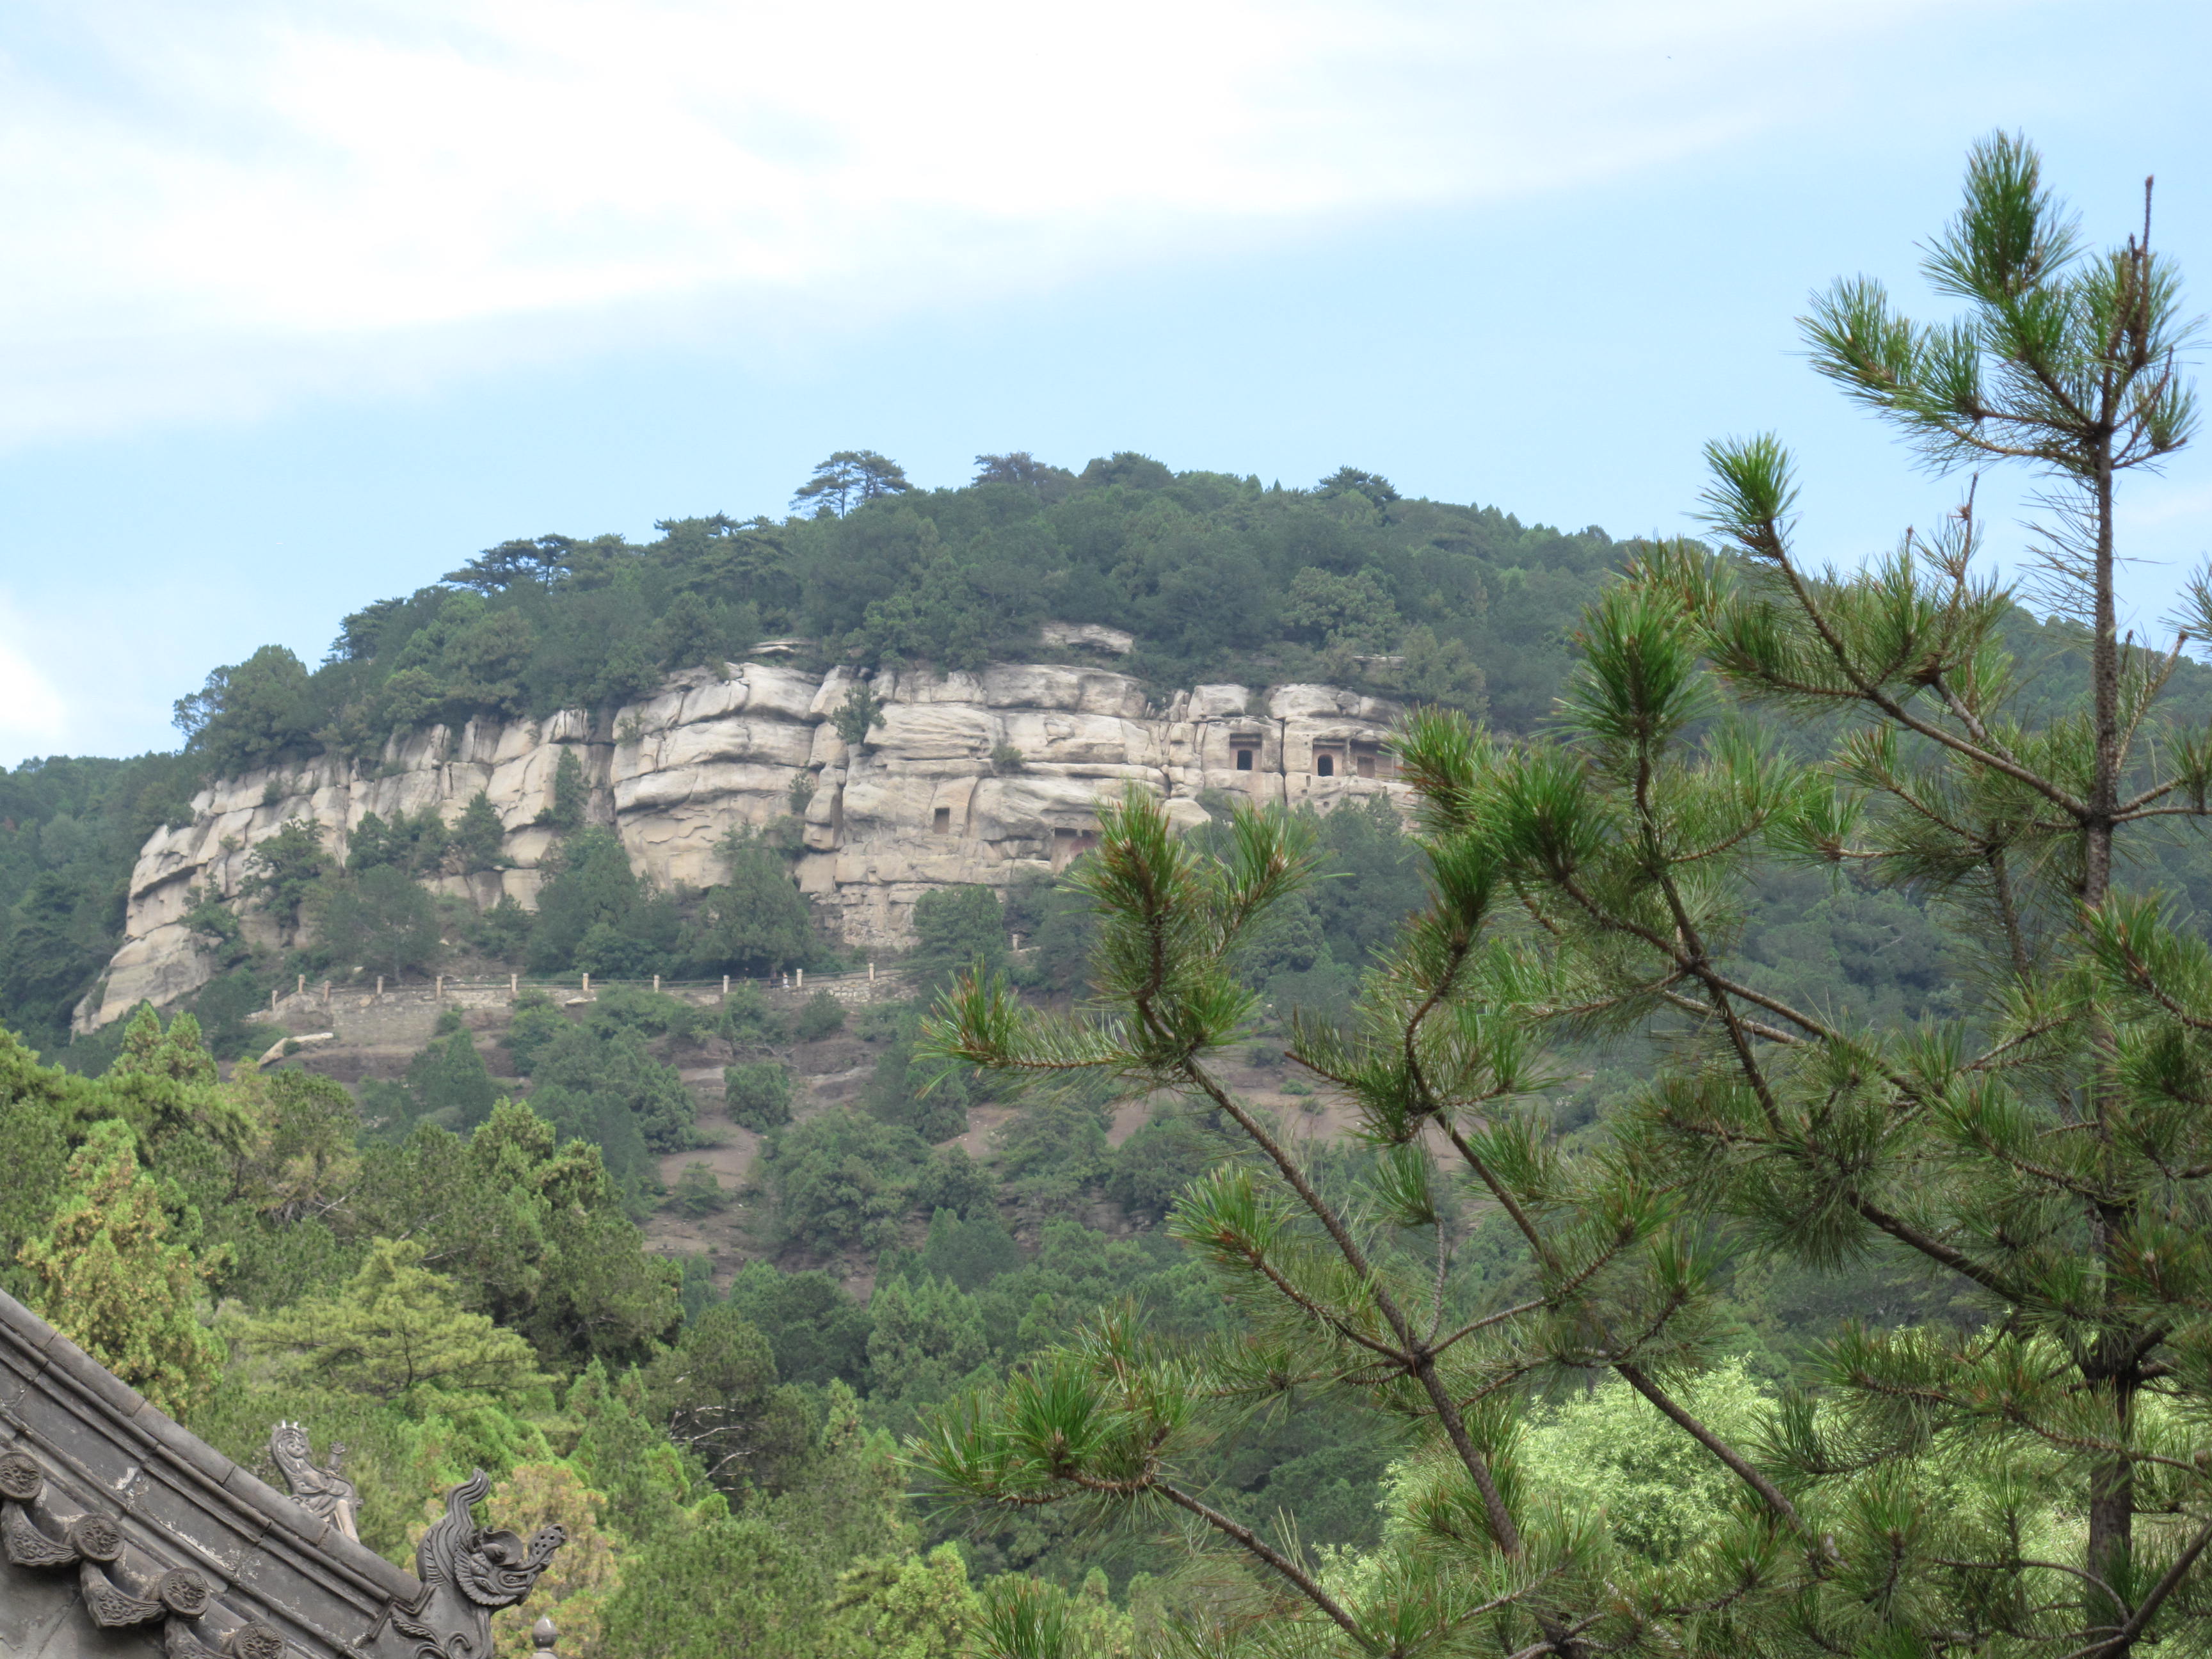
column 1094, row 635
column 919, row 805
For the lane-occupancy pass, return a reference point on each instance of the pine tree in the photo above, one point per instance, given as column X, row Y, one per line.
column 397, row 1326
column 108, row 1276
column 2033, row 1477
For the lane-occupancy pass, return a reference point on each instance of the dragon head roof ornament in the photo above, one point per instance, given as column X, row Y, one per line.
column 472, row 1572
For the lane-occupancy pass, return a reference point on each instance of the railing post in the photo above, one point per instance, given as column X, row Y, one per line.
column 802, row 980
column 513, row 987
column 439, row 994
column 380, row 987
column 301, row 989
column 587, row 985
column 726, row 987
column 656, row 985
column 272, row 999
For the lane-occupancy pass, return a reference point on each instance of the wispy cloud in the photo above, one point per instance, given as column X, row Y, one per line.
column 218, row 206
column 33, row 716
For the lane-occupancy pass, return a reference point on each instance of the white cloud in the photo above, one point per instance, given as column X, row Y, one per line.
column 213, row 206
column 33, row 719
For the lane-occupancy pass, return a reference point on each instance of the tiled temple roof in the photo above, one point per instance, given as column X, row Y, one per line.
column 123, row 1533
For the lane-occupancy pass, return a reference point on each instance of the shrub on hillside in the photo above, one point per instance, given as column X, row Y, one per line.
column 823, row 1016
column 758, row 1094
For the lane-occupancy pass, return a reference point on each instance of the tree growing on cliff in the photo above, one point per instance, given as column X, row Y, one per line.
column 860, row 713
column 756, row 922
column 283, row 870
column 381, row 918
column 250, row 713
column 2033, row 1477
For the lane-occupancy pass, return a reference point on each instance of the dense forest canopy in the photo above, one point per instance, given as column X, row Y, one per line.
column 1217, row 577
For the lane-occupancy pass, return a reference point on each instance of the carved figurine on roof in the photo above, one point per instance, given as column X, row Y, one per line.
column 321, row 1491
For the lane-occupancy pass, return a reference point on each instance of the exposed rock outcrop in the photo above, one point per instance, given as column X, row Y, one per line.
column 922, row 804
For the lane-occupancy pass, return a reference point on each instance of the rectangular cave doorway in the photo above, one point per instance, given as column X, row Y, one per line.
column 1069, row 845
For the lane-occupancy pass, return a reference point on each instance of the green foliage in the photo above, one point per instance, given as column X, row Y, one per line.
column 928, row 1099
column 416, row 845
column 757, row 921
column 250, row 714
column 35, row 1119
column 649, row 1013
column 762, row 1580
column 718, row 1392
column 450, row 1084
column 381, row 919
column 822, row 1016
column 532, row 1227
column 951, row 1181
column 397, row 1328
column 224, row 1009
column 1056, row 1135
column 849, row 478
column 1150, row 1170
column 572, row 796
column 613, row 1069
column 927, row 1340
column 1662, row 1495
column 817, row 1333
column 968, row 1254
column 531, row 1028
column 283, row 869
column 860, row 713
column 105, row 1273
column 842, row 1179
column 959, row 927
column 758, row 1094
column 478, row 836
column 2002, row 1474
column 697, row 1191
column 589, row 887
column 904, row 1607
column 502, row 933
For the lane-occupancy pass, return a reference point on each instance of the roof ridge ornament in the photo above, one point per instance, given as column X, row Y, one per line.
column 322, row 1491
column 472, row 1572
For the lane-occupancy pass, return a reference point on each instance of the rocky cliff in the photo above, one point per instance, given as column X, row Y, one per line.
column 921, row 805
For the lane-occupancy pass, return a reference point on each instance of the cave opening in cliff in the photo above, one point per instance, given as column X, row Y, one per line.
column 1324, row 765
column 940, row 823
column 1069, row 845
column 1244, row 759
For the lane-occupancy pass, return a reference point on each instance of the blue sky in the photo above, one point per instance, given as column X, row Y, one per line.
column 305, row 303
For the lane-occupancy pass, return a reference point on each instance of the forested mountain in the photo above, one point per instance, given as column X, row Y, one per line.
column 1215, row 577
